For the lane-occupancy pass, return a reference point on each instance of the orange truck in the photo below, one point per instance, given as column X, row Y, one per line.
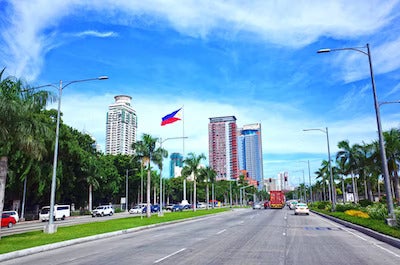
column 277, row 199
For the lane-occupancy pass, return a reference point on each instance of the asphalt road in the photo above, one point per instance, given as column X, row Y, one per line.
column 242, row 236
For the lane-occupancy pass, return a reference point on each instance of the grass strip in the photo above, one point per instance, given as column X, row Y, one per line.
column 38, row 238
column 376, row 225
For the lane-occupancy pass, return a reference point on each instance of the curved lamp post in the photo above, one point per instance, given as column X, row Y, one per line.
column 333, row 193
column 50, row 228
column 385, row 171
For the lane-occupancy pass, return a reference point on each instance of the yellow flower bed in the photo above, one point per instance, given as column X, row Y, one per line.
column 357, row 213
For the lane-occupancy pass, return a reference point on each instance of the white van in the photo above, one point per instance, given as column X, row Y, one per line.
column 60, row 212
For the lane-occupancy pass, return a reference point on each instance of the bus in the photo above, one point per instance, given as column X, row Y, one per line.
column 60, row 212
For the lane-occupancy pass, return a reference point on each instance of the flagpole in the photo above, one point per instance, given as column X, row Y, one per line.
column 183, row 151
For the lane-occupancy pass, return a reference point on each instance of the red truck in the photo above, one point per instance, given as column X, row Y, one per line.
column 277, row 199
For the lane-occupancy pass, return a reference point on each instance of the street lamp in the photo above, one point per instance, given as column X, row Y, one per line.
column 309, row 178
column 161, row 141
column 385, row 171
column 50, row 228
column 333, row 193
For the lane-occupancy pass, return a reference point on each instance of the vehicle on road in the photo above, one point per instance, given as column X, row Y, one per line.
column 177, row 208
column 187, row 206
column 136, row 209
column 277, row 199
column 301, row 208
column 60, row 212
column 292, row 204
column 7, row 220
column 257, row 206
column 13, row 214
column 103, row 210
column 266, row 205
column 201, row 205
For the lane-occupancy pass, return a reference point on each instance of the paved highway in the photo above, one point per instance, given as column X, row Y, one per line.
column 242, row 236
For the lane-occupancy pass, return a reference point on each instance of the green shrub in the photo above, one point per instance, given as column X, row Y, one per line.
column 118, row 210
column 397, row 213
column 346, row 206
column 377, row 211
column 322, row 205
column 365, row 203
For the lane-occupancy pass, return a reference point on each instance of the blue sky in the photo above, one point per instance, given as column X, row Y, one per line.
column 255, row 60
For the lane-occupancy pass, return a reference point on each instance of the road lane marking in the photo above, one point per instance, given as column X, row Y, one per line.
column 220, row 232
column 170, row 255
column 362, row 238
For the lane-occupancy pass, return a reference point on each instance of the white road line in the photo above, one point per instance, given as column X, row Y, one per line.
column 170, row 255
column 220, row 232
column 362, row 238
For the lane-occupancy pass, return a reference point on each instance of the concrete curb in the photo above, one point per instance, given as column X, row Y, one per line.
column 395, row 242
column 29, row 251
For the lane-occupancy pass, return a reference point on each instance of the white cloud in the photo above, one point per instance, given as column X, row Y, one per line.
column 29, row 35
column 93, row 33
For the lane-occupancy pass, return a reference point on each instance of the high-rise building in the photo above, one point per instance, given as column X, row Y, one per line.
column 250, row 151
column 222, row 147
column 176, row 161
column 121, row 126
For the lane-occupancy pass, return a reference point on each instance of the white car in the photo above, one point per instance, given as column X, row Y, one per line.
column 257, row 206
column 13, row 214
column 137, row 209
column 301, row 208
column 103, row 210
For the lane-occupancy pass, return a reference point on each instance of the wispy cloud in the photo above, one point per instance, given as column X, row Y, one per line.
column 93, row 33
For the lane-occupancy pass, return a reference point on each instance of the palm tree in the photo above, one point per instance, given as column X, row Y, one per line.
column 192, row 163
column 392, row 143
column 146, row 150
column 348, row 154
column 207, row 174
column 22, row 124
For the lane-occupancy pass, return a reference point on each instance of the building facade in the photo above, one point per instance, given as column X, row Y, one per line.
column 222, row 147
column 121, row 126
column 250, row 152
column 175, row 162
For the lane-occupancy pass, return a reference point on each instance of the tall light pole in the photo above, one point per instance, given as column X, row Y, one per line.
column 309, row 178
column 385, row 171
column 333, row 193
column 161, row 141
column 126, row 187
column 50, row 228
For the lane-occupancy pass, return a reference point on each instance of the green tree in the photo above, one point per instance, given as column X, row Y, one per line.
column 192, row 163
column 147, row 152
column 392, row 144
column 207, row 174
column 21, row 124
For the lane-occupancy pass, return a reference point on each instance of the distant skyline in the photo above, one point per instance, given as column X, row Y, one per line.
column 255, row 60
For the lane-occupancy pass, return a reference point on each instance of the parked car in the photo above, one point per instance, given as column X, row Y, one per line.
column 13, row 214
column 301, row 208
column 136, row 209
column 168, row 207
column 7, row 220
column 177, row 208
column 155, row 208
column 187, row 206
column 201, row 205
column 103, row 210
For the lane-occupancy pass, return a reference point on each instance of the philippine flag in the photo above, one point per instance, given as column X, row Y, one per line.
column 172, row 117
